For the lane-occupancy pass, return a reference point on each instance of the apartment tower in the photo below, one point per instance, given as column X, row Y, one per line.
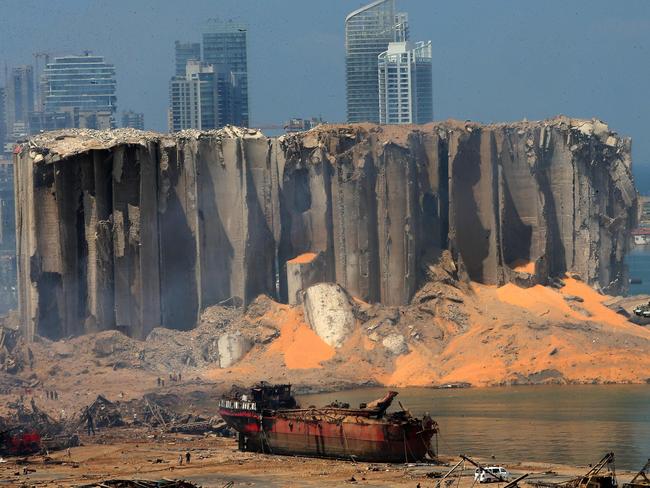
column 184, row 52
column 368, row 31
column 405, row 83
column 225, row 48
column 83, row 88
column 193, row 98
column 19, row 101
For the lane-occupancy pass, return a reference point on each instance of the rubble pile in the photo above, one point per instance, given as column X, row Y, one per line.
column 148, row 411
column 105, row 414
column 211, row 343
column 165, row 483
column 13, row 357
column 362, row 206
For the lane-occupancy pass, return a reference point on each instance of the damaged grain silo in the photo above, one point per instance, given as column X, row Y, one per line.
column 131, row 230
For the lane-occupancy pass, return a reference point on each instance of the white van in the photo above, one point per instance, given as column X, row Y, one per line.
column 482, row 477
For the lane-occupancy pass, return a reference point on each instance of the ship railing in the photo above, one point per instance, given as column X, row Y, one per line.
column 238, row 405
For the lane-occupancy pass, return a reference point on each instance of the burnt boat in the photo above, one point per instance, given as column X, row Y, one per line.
column 269, row 420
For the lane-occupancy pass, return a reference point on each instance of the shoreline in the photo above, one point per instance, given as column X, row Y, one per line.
column 146, row 454
column 361, row 386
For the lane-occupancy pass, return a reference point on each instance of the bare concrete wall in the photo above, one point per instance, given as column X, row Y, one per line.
column 133, row 230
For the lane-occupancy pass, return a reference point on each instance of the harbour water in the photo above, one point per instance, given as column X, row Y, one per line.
column 638, row 262
column 575, row 424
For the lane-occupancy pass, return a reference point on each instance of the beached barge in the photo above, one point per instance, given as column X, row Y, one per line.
column 269, row 420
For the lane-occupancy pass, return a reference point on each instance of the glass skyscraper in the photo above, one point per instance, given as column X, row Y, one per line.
column 3, row 120
column 368, row 31
column 20, row 100
column 184, row 52
column 132, row 119
column 194, row 98
column 81, row 85
column 225, row 48
column 405, row 84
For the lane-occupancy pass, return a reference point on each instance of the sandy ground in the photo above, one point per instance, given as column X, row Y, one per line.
column 140, row 454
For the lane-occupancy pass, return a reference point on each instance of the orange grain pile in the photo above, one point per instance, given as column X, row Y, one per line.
column 593, row 302
column 305, row 258
column 411, row 369
column 524, row 267
column 301, row 347
column 538, row 299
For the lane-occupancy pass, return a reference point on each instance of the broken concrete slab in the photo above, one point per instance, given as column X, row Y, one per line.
column 302, row 272
column 395, row 343
column 232, row 347
column 328, row 310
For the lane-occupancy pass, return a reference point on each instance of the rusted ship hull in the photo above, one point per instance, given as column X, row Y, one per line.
column 355, row 437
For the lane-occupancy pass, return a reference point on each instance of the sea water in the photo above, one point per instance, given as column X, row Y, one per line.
column 638, row 262
column 572, row 424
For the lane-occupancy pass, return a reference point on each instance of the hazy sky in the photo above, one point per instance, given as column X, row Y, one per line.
column 493, row 60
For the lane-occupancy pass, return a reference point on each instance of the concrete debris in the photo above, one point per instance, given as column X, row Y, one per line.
column 165, row 483
column 362, row 206
column 328, row 310
column 60, row 442
column 12, row 358
column 215, row 425
column 104, row 413
column 396, row 344
column 302, row 272
column 147, row 411
column 231, row 347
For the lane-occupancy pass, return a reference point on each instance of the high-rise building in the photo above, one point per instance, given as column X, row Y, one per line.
column 45, row 121
column 83, row 86
column 299, row 125
column 225, row 47
column 7, row 216
column 7, row 237
column 194, row 98
column 3, row 120
column 184, row 52
column 132, row 119
column 405, row 83
column 368, row 31
column 19, row 101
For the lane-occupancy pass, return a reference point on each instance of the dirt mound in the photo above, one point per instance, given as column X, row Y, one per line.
column 460, row 332
column 454, row 331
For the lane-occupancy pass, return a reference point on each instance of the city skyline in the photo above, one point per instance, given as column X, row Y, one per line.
column 209, row 88
column 497, row 64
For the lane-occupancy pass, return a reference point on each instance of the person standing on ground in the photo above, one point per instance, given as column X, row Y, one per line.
column 89, row 422
column 187, row 457
column 180, row 459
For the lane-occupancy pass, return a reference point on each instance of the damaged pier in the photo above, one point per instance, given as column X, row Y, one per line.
column 131, row 230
